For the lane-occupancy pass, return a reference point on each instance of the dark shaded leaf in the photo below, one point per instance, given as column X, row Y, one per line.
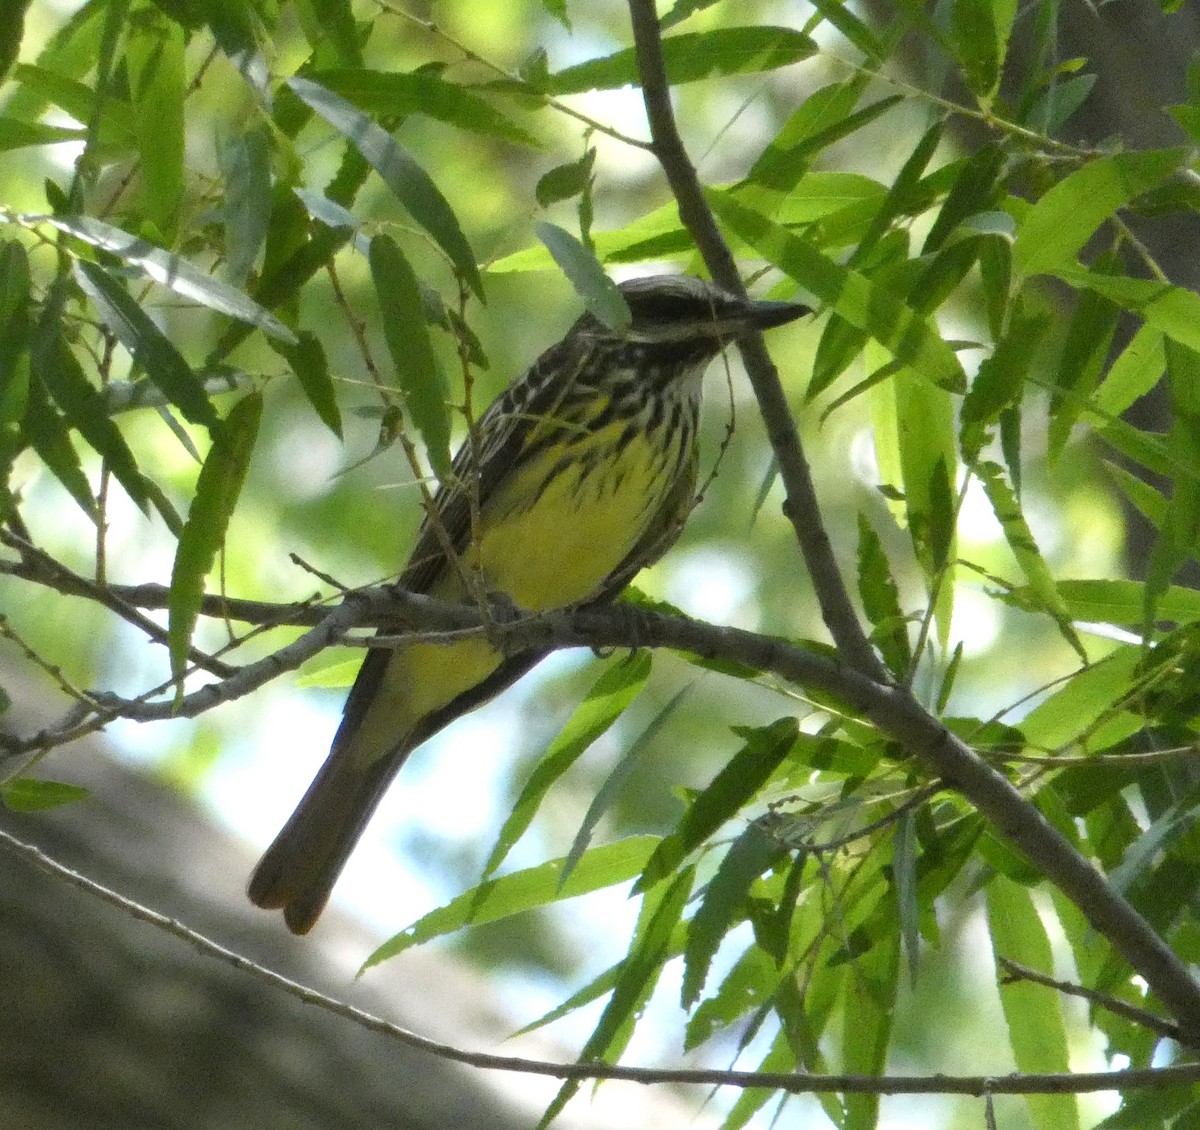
column 149, row 346
column 409, row 182
column 246, row 164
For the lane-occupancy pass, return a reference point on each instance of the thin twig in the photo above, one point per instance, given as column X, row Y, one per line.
column 801, row 507
column 794, row 1083
column 1015, row 971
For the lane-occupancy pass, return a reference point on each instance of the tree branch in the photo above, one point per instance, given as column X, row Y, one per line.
column 865, row 682
column 791, row 1082
column 801, row 508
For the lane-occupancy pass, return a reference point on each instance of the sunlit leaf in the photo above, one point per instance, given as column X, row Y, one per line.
column 586, row 275
column 168, row 270
column 609, row 697
column 604, row 866
column 1036, row 1032
column 1075, row 708
column 154, row 53
column 887, row 318
column 752, row 853
column 741, row 778
column 29, row 794
column 423, row 92
column 691, row 56
column 1064, row 219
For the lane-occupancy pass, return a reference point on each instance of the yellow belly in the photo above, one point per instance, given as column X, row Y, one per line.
column 552, row 553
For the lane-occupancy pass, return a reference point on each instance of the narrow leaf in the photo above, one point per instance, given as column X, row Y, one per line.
column 167, row 270
column 692, row 56
column 417, row 370
column 881, row 599
column 246, row 165
column 423, row 92
column 28, row 794
column 604, row 866
column 148, row 345
column 751, row 854
column 1036, row 1031
column 307, row 360
column 217, row 489
column 586, row 275
column 609, row 697
column 886, row 317
column 154, row 52
column 410, row 184
column 1064, row 219
column 732, row 787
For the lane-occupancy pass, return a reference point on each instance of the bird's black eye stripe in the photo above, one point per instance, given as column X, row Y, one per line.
column 650, row 309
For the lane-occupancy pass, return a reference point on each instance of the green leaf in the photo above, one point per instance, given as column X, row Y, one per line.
column 607, row 794
column 1055, row 229
column 867, row 1024
column 417, row 370
column 979, row 31
column 1180, row 532
column 1123, row 602
column 410, row 184
column 534, row 887
column 217, row 489
column 46, row 432
column 397, row 93
column 167, row 270
column 1001, row 378
column 1076, row 708
column 1036, row 1031
column 148, row 345
column 1084, row 356
column 1173, row 310
column 586, row 275
column 58, row 371
column 909, row 338
column 565, row 181
column 609, row 697
column 117, row 121
column 904, row 879
column 752, row 853
column 28, row 794
column 246, row 165
column 154, row 52
column 18, row 135
column 974, row 191
column 1134, row 373
column 881, row 599
column 307, row 361
column 692, row 56
column 855, row 31
column 636, row 978
column 1021, row 541
column 765, row 748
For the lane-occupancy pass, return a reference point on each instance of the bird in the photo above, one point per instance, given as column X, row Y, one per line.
column 577, row 476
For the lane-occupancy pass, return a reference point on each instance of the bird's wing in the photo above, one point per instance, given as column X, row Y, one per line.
column 484, row 462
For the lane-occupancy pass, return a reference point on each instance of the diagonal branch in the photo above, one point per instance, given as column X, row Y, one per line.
column 864, row 681
column 801, row 507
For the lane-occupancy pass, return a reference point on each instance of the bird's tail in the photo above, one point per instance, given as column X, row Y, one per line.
column 300, row 867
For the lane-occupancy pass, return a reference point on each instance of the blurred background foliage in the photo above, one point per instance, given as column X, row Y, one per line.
column 348, row 507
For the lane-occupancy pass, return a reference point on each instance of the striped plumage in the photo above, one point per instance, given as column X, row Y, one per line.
column 584, row 471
